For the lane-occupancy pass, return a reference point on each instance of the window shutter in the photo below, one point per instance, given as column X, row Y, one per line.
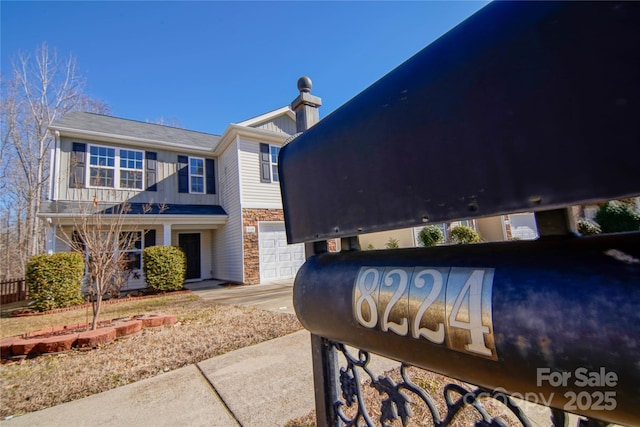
column 151, row 176
column 183, row 174
column 211, row 176
column 265, row 163
column 149, row 238
column 77, row 165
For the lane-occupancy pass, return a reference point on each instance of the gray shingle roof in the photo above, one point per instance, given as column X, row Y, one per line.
column 68, row 207
column 81, row 121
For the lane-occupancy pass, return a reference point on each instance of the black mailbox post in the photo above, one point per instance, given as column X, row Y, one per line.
column 525, row 106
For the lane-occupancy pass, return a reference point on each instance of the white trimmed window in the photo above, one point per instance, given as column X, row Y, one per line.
column 131, row 244
column 196, row 175
column 274, row 151
column 102, row 166
column 131, row 169
column 115, row 167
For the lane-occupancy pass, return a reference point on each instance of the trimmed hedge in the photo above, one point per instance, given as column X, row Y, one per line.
column 164, row 268
column 55, row 281
column 587, row 227
column 462, row 235
column 430, row 236
column 617, row 216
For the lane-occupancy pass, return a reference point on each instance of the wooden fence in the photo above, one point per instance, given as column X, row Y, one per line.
column 13, row 290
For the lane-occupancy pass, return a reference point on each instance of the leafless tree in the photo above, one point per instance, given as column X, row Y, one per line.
column 42, row 87
column 102, row 234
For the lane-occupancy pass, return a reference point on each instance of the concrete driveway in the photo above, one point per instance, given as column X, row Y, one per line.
column 277, row 296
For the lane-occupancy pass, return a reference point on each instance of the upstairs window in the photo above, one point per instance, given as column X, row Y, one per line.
column 102, row 161
column 115, row 168
column 275, row 177
column 269, row 163
column 196, row 175
column 131, row 169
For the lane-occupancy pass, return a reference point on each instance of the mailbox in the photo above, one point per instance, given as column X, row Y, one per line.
column 524, row 107
column 511, row 315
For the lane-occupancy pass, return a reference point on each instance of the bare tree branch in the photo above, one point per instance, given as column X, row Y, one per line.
column 42, row 88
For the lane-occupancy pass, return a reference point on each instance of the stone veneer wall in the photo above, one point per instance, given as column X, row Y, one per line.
column 507, row 227
column 250, row 218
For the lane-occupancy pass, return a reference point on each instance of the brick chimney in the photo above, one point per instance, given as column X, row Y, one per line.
column 306, row 106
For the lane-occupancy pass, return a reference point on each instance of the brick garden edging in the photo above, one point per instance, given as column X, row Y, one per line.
column 38, row 342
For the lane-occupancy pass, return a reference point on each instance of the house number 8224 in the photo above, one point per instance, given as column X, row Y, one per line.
column 450, row 306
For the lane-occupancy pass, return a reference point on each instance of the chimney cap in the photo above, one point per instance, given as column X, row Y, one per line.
column 304, row 84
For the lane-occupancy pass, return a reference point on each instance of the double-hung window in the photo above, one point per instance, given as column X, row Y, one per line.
column 115, row 167
column 102, row 166
column 275, row 177
column 131, row 169
column 196, row 175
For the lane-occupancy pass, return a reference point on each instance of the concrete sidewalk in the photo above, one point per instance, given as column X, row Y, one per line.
column 266, row 384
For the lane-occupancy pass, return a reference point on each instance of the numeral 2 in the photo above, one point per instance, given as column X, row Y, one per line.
column 437, row 335
column 403, row 327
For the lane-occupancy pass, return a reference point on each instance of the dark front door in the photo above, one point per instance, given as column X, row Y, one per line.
column 190, row 244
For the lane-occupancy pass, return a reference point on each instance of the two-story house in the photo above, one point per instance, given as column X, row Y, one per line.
column 216, row 196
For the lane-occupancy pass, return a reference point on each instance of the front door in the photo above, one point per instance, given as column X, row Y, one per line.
column 190, row 244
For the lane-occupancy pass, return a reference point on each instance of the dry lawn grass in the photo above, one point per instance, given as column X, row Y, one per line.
column 433, row 384
column 204, row 330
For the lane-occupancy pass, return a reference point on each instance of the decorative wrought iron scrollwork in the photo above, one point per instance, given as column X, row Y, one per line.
column 396, row 399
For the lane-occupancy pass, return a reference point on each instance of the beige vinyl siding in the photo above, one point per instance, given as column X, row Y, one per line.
column 282, row 124
column 380, row 239
column 256, row 194
column 227, row 240
column 166, row 178
column 491, row 229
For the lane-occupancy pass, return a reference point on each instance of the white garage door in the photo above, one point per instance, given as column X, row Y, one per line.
column 277, row 259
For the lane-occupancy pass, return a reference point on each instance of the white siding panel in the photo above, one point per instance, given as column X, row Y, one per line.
column 206, row 266
column 256, row 194
column 282, row 124
column 228, row 262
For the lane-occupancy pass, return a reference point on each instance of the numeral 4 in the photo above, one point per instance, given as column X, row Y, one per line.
column 472, row 293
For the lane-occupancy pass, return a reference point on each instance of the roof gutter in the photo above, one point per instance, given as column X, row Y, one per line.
column 109, row 137
column 234, row 130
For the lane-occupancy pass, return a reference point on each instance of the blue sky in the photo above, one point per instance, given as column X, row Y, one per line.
column 211, row 63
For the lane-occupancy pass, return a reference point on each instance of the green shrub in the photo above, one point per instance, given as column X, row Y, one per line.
column 430, row 236
column 617, row 216
column 392, row 243
column 164, row 268
column 462, row 235
column 55, row 280
column 588, row 227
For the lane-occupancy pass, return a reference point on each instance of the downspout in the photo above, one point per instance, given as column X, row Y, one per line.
column 55, row 169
